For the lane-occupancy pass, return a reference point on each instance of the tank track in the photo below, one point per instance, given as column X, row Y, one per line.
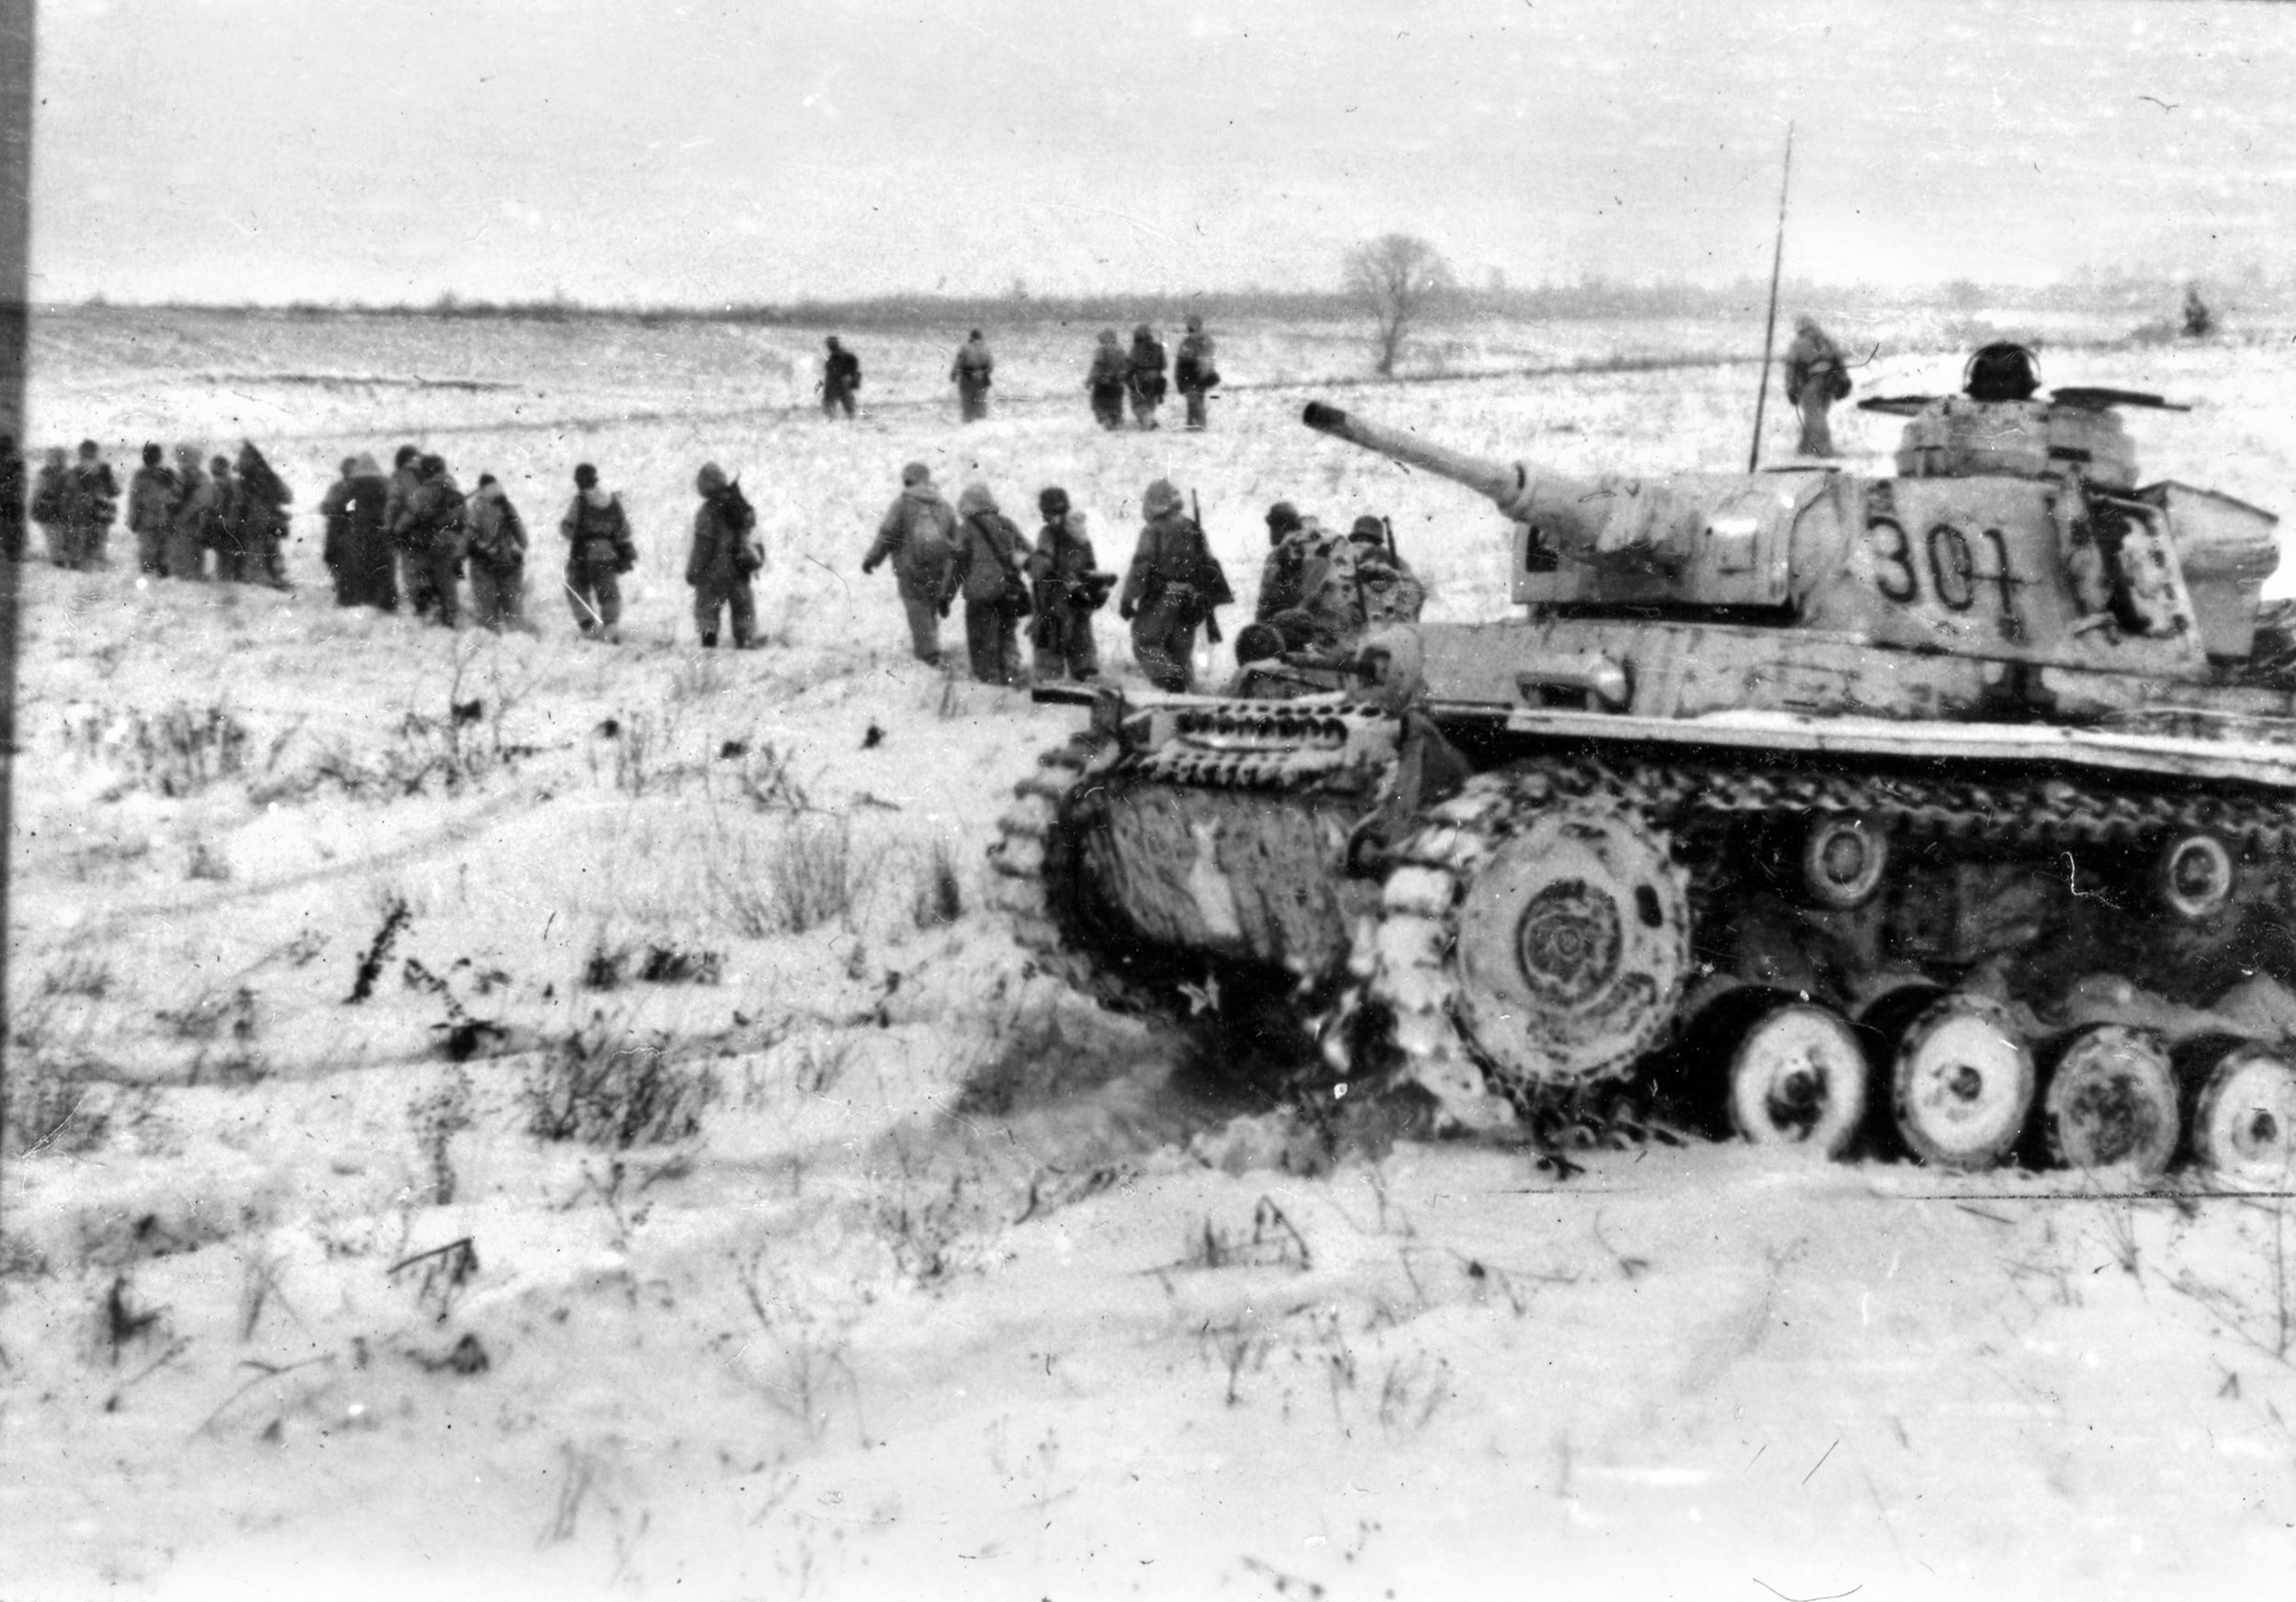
column 1027, row 860
column 1406, row 978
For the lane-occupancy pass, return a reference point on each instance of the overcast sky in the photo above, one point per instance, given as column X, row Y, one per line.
column 699, row 153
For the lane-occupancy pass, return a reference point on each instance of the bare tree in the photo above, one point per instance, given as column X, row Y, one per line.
column 1394, row 278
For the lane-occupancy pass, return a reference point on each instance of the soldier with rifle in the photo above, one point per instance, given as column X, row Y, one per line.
column 1174, row 585
column 840, row 379
column 1069, row 589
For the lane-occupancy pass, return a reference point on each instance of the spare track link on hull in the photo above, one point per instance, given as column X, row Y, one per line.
column 1411, row 976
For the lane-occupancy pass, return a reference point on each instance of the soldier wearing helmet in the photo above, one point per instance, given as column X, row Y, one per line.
column 1174, row 585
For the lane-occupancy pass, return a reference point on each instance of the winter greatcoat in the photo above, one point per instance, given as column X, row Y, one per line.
column 599, row 551
column 494, row 547
column 719, row 564
column 1063, row 630
column 196, row 503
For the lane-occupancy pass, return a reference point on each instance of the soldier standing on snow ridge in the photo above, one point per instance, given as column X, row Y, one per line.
column 1174, row 584
column 1069, row 589
column 1106, row 382
column 726, row 552
column 93, row 503
column 840, row 377
column 150, row 494
column 971, row 372
column 1193, row 373
column 991, row 570
column 1816, row 376
column 1144, row 375
column 187, row 522
column 599, row 550
column 918, row 532
column 495, row 543
column 334, row 546
column 430, row 529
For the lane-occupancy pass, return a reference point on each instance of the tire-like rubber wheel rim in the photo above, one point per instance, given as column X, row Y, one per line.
column 2194, row 877
column 1962, row 1082
column 1573, row 948
column 2110, row 1108
column 1845, row 857
column 2244, row 1123
column 1798, row 1079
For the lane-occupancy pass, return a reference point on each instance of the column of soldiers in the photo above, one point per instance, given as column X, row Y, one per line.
column 1116, row 376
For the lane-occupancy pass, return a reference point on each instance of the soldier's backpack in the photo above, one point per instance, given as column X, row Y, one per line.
column 741, row 522
column 602, row 534
column 925, row 538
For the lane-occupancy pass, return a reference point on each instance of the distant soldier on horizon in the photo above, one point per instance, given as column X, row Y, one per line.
column 1105, row 383
column 840, row 379
column 970, row 372
column 1194, row 372
column 2198, row 318
column 1146, row 376
column 1816, row 376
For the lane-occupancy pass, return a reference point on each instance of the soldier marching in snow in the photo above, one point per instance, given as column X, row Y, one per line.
column 971, row 373
column 1069, row 589
column 919, row 533
column 93, row 503
column 430, row 531
column 1174, row 585
column 150, row 494
column 599, row 550
column 260, row 511
column 840, row 380
column 1194, row 372
column 1105, row 383
column 1816, row 376
column 494, row 543
column 991, row 573
column 188, row 526
column 1144, row 377
column 725, row 553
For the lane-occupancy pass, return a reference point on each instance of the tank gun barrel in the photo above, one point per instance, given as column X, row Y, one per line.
column 1626, row 524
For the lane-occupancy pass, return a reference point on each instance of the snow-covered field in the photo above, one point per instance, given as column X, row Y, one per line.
column 841, row 1256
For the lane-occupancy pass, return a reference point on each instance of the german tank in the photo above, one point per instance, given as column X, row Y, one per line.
column 1952, row 811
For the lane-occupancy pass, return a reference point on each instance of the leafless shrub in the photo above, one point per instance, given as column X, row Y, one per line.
column 223, row 1024
column 437, row 1117
column 807, row 1369
column 601, row 1086
column 184, row 749
column 765, row 778
column 940, row 896
column 697, row 678
column 1275, row 1242
column 79, row 973
column 202, row 861
column 808, row 876
column 1237, row 1344
column 1415, row 1386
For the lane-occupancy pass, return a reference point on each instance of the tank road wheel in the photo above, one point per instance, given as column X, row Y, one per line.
column 1573, row 945
column 1960, row 1081
column 2110, row 1108
column 2244, row 1110
column 2193, row 876
column 1798, row 1077
column 1844, row 859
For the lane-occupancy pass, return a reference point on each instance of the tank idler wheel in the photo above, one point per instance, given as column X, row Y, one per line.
column 1844, row 858
column 2243, row 1121
column 1961, row 1079
column 2193, row 876
column 1798, row 1077
column 2110, row 1106
column 1573, row 947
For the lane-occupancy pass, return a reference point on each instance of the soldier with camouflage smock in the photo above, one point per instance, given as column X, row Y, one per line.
column 971, row 373
column 1174, row 584
column 724, row 553
column 1069, row 589
column 599, row 551
column 918, row 535
column 494, row 547
column 1193, row 372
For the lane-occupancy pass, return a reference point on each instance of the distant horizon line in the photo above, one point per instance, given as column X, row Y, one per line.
column 1585, row 296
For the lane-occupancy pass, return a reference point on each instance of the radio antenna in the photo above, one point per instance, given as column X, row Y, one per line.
column 1770, row 328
